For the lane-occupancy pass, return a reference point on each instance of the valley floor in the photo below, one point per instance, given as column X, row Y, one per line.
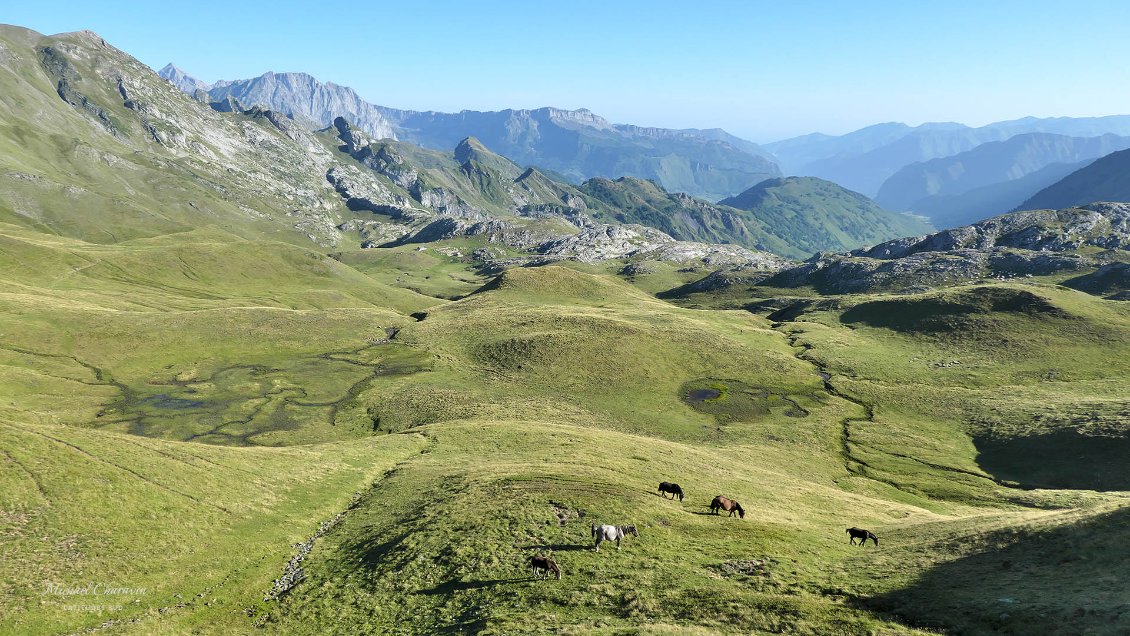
column 167, row 447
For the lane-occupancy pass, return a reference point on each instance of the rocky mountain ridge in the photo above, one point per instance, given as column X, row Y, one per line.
column 141, row 145
column 476, row 193
column 578, row 144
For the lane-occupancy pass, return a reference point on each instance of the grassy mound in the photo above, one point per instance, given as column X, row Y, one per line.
column 950, row 312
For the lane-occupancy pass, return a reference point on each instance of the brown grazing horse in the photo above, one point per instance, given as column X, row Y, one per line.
column 543, row 565
column 729, row 505
column 862, row 535
column 670, row 488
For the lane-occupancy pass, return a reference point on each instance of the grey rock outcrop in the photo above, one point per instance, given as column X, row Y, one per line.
column 298, row 95
column 183, row 81
column 362, row 192
column 1020, row 244
column 603, row 242
column 60, row 70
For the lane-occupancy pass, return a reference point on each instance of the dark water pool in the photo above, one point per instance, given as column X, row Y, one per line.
column 701, row 395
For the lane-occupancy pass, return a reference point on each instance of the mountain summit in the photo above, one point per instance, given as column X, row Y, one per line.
column 577, row 144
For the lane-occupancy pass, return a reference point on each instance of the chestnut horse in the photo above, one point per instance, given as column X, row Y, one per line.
column 862, row 535
column 667, row 487
column 543, row 565
column 729, row 505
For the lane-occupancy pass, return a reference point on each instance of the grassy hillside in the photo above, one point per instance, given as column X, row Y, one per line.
column 816, row 215
column 547, row 395
column 630, row 200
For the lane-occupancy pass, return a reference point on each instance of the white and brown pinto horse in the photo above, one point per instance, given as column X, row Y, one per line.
column 612, row 533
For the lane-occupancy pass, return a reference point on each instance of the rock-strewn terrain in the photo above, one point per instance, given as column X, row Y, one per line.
column 1020, row 244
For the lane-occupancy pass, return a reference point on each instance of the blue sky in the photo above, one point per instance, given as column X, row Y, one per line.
column 762, row 70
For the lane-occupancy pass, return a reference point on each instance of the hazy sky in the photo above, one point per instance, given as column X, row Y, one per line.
column 762, row 70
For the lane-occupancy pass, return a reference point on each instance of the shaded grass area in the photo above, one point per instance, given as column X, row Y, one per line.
column 1060, row 578
column 1058, row 459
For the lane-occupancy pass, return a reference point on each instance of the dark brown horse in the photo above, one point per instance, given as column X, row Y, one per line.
column 862, row 535
column 543, row 565
column 670, row 488
column 729, row 505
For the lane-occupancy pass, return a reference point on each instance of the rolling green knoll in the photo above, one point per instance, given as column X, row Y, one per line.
column 817, row 215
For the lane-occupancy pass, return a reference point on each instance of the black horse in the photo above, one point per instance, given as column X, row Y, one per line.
column 670, row 488
column 862, row 535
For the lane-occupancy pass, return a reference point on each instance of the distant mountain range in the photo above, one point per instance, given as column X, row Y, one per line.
column 992, row 178
column 863, row 160
column 576, row 144
column 1105, row 179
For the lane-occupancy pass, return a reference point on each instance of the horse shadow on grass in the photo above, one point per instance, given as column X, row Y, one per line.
column 455, row 586
column 558, row 547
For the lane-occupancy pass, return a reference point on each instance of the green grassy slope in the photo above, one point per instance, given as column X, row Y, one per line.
column 163, row 163
column 451, row 554
column 815, row 215
column 548, row 393
column 629, row 200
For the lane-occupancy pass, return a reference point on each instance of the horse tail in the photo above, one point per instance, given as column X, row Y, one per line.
column 594, row 530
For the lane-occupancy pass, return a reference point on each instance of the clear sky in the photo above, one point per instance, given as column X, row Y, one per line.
column 762, row 70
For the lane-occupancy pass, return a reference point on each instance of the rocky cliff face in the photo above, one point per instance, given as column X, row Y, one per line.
column 578, row 144
column 183, row 81
column 298, row 95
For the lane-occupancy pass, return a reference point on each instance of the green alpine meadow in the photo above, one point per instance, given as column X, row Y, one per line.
column 277, row 360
